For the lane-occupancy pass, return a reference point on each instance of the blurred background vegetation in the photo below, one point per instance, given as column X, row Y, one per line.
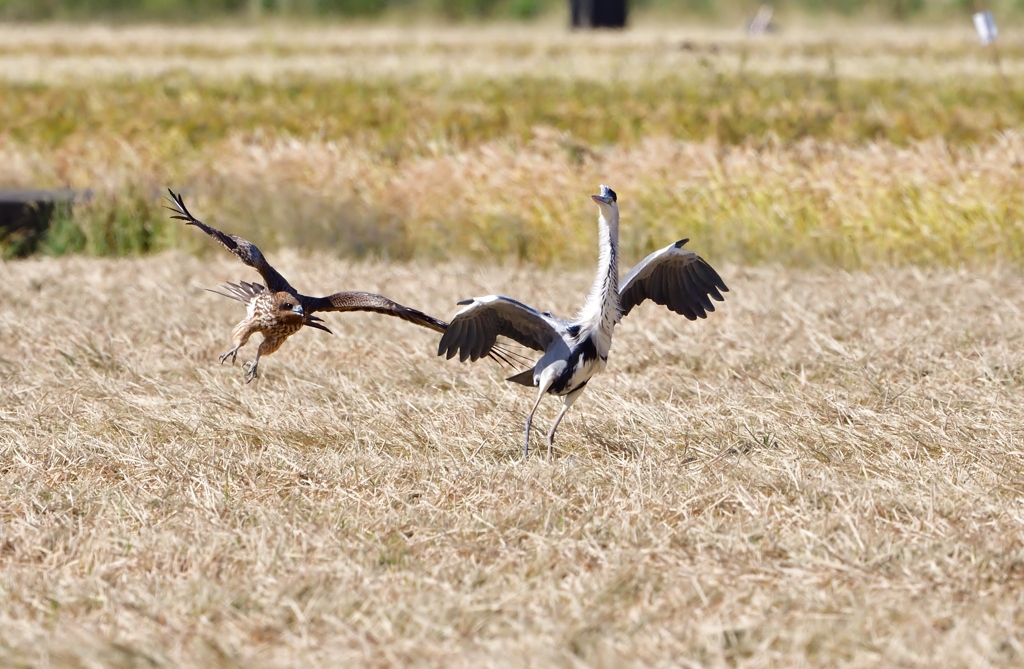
column 705, row 10
column 890, row 137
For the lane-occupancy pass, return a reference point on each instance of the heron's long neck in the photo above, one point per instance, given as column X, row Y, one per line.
column 602, row 308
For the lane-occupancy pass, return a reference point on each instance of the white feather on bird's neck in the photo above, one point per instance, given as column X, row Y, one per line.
column 601, row 312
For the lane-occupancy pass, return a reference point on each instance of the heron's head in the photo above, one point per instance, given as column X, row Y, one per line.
column 288, row 308
column 606, row 200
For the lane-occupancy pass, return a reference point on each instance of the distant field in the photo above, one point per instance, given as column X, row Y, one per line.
column 843, row 148
column 404, row 11
column 827, row 472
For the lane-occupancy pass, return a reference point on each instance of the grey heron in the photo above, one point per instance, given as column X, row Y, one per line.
column 278, row 311
column 575, row 350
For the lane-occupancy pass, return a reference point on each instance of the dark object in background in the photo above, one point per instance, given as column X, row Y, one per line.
column 25, row 217
column 598, row 13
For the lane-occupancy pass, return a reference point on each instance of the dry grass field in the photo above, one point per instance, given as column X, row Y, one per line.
column 827, row 472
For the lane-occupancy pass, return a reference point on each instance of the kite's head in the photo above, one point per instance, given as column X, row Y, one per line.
column 288, row 308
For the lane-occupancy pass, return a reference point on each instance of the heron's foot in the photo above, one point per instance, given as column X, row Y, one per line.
column 233, row 353
column 251, row 370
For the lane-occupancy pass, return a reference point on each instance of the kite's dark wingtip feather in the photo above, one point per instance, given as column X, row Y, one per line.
column 182, row 213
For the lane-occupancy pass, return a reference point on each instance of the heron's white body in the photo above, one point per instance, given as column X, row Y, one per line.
column 557, row 364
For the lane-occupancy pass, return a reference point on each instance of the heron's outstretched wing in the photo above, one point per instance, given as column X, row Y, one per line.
column 473, row 331
column 246, row 251
column 675, row 277
column 352, row 300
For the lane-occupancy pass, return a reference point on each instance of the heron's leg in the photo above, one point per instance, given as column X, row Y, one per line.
column 529, row 419
column 566, row 403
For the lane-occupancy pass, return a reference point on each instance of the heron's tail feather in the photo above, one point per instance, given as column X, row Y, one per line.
column 523, row 378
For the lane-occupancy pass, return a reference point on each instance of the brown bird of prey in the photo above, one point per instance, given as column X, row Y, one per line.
column 278, row 311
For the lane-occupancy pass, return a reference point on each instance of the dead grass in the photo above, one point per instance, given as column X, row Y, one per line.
column 825, row 473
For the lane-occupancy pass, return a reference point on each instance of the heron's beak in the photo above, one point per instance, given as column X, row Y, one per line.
column 605, row 197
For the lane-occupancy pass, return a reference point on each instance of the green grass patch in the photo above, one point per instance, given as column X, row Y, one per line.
column 731, row 107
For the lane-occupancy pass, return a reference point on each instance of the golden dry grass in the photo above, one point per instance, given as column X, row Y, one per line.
column 827, row 472
column 804, row 204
